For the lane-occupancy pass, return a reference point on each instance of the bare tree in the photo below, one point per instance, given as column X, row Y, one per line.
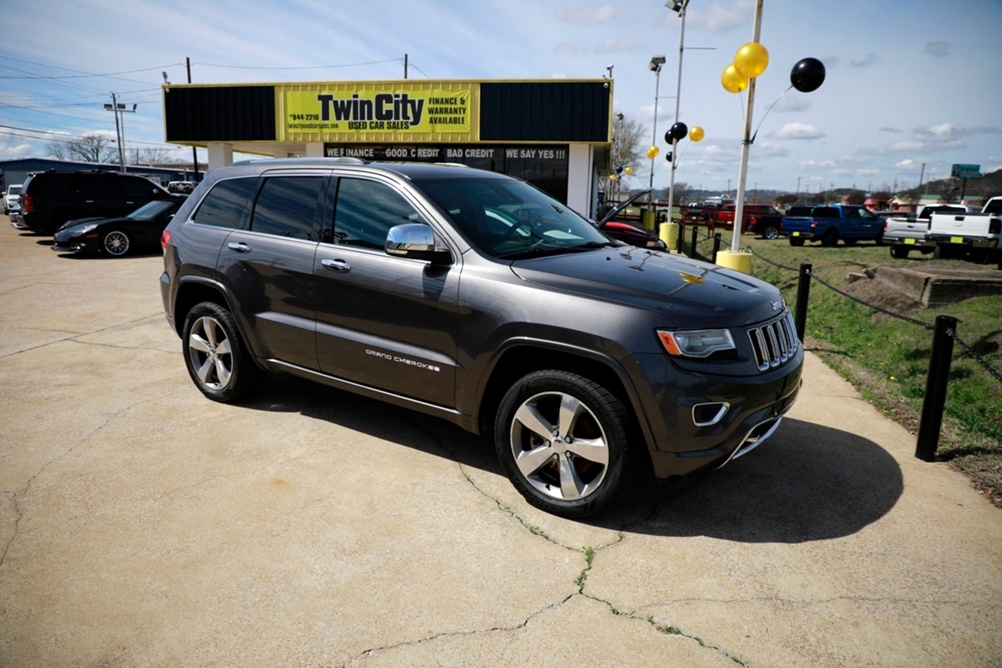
column 627, row 138
column 151, row 156
column 683, row 193
column 89, row 148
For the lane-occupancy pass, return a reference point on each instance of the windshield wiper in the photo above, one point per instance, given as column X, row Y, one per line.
column 539, row 251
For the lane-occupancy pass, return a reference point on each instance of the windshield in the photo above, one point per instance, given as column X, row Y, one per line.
column 151, row 210
column 506, row 218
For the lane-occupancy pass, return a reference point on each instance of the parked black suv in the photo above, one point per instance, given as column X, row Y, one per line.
column 475, row 297
column 49, row 199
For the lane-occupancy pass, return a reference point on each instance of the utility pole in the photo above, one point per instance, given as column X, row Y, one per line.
column 194, row 151
column 119, row 108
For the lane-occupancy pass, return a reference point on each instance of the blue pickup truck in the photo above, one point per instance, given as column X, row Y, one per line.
column 829, row 224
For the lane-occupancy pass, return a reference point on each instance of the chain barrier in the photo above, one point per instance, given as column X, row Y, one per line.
column 973, row 354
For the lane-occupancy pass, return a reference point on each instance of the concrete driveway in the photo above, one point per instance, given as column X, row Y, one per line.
column 143, row 525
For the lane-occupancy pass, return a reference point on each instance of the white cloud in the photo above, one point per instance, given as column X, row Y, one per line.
column 616, row 45
column 798, row 131
column 718, row 16
column 604, row 14
column 940, row 48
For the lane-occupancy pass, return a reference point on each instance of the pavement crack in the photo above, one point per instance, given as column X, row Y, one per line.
column 462, row 634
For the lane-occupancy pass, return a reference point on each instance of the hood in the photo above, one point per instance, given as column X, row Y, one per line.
column 689, row 293
column 80, row 222
column 614, row 211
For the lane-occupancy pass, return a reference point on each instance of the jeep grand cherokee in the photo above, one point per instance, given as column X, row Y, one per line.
column 475, row 297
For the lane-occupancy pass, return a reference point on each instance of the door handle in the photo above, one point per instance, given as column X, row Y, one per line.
column 336, row 265
column 238, row 246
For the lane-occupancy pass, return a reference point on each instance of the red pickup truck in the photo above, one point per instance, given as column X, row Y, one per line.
column 761, row 219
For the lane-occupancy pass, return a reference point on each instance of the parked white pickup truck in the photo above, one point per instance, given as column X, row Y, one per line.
column 971, row 236
column 906, row 233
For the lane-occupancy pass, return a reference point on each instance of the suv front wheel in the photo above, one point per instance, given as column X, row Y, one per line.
column 563, row 442
column 217, row 359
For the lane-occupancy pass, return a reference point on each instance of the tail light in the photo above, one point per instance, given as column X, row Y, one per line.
column 27, row 204
column 165, row 239
column 995, row 226
column 814, row 224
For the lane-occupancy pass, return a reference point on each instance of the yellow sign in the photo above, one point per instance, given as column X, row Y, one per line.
column 344, row 111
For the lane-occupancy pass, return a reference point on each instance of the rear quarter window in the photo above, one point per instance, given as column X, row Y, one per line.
column 224, row 204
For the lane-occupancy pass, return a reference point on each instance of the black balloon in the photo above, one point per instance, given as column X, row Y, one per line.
column 678, row 131
column 807, row 75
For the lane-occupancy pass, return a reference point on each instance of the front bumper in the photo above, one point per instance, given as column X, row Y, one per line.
column 703, row 414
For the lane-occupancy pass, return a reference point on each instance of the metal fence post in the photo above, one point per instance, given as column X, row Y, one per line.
column 681, row 236
column 935, row 388
column 695, row 239
column 716, row 247
column 803, row 291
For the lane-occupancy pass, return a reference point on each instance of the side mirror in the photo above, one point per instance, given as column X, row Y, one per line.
column 416, row 241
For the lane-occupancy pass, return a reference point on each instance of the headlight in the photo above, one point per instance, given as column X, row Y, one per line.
column 696, row 343
column 86, row 229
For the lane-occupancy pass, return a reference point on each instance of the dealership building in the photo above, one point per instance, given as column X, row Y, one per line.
column 554, row 133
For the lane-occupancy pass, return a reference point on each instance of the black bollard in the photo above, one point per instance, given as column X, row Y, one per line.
column 803, row 291
column 935, row 388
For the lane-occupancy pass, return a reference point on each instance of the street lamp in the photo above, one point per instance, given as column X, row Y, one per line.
column 120, row 108
column 677, row 6
column 655, row 66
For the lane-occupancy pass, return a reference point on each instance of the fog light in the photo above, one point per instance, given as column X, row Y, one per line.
column 707, row 415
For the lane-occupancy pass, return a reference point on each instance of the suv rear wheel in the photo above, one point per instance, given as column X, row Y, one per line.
column 563, row 442
column 215, row 355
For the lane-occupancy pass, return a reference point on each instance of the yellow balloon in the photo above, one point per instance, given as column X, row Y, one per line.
column 629, row 170
column 751, row 60
column 612, row 177
column 732, row 80
column 696, row 133
column 652, row 152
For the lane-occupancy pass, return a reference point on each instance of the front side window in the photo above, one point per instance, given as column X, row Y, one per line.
column 365, row 212
column 224, row 205
column 287, row 205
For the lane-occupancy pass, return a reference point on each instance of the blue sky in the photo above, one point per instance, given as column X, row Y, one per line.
column 909, row 82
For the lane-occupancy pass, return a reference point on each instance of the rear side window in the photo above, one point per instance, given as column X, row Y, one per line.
column 224, row 205
column 287, row 206
column 365, row 212
column 50, row 183
column 137, row 187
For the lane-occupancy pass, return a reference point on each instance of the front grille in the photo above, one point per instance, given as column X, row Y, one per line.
column 774, row 343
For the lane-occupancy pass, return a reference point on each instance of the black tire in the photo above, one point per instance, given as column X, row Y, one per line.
column 563, row 441
column 217, row 359
column 116, row 243
column 899, row 252
column 796, row 241
column 770, row 232
column 829, row 238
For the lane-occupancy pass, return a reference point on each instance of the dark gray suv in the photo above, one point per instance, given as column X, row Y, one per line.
column 475, row 297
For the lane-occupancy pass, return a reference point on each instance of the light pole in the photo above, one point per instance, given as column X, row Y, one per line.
column 679, row 7
column 119, row 108
column 655, row 65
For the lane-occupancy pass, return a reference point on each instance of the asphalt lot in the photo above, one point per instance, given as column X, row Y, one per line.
column 143, row 525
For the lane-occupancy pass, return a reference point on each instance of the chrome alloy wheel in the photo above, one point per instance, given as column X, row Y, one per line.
column 210, row 353
column 559, row 446
column 116, row 243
